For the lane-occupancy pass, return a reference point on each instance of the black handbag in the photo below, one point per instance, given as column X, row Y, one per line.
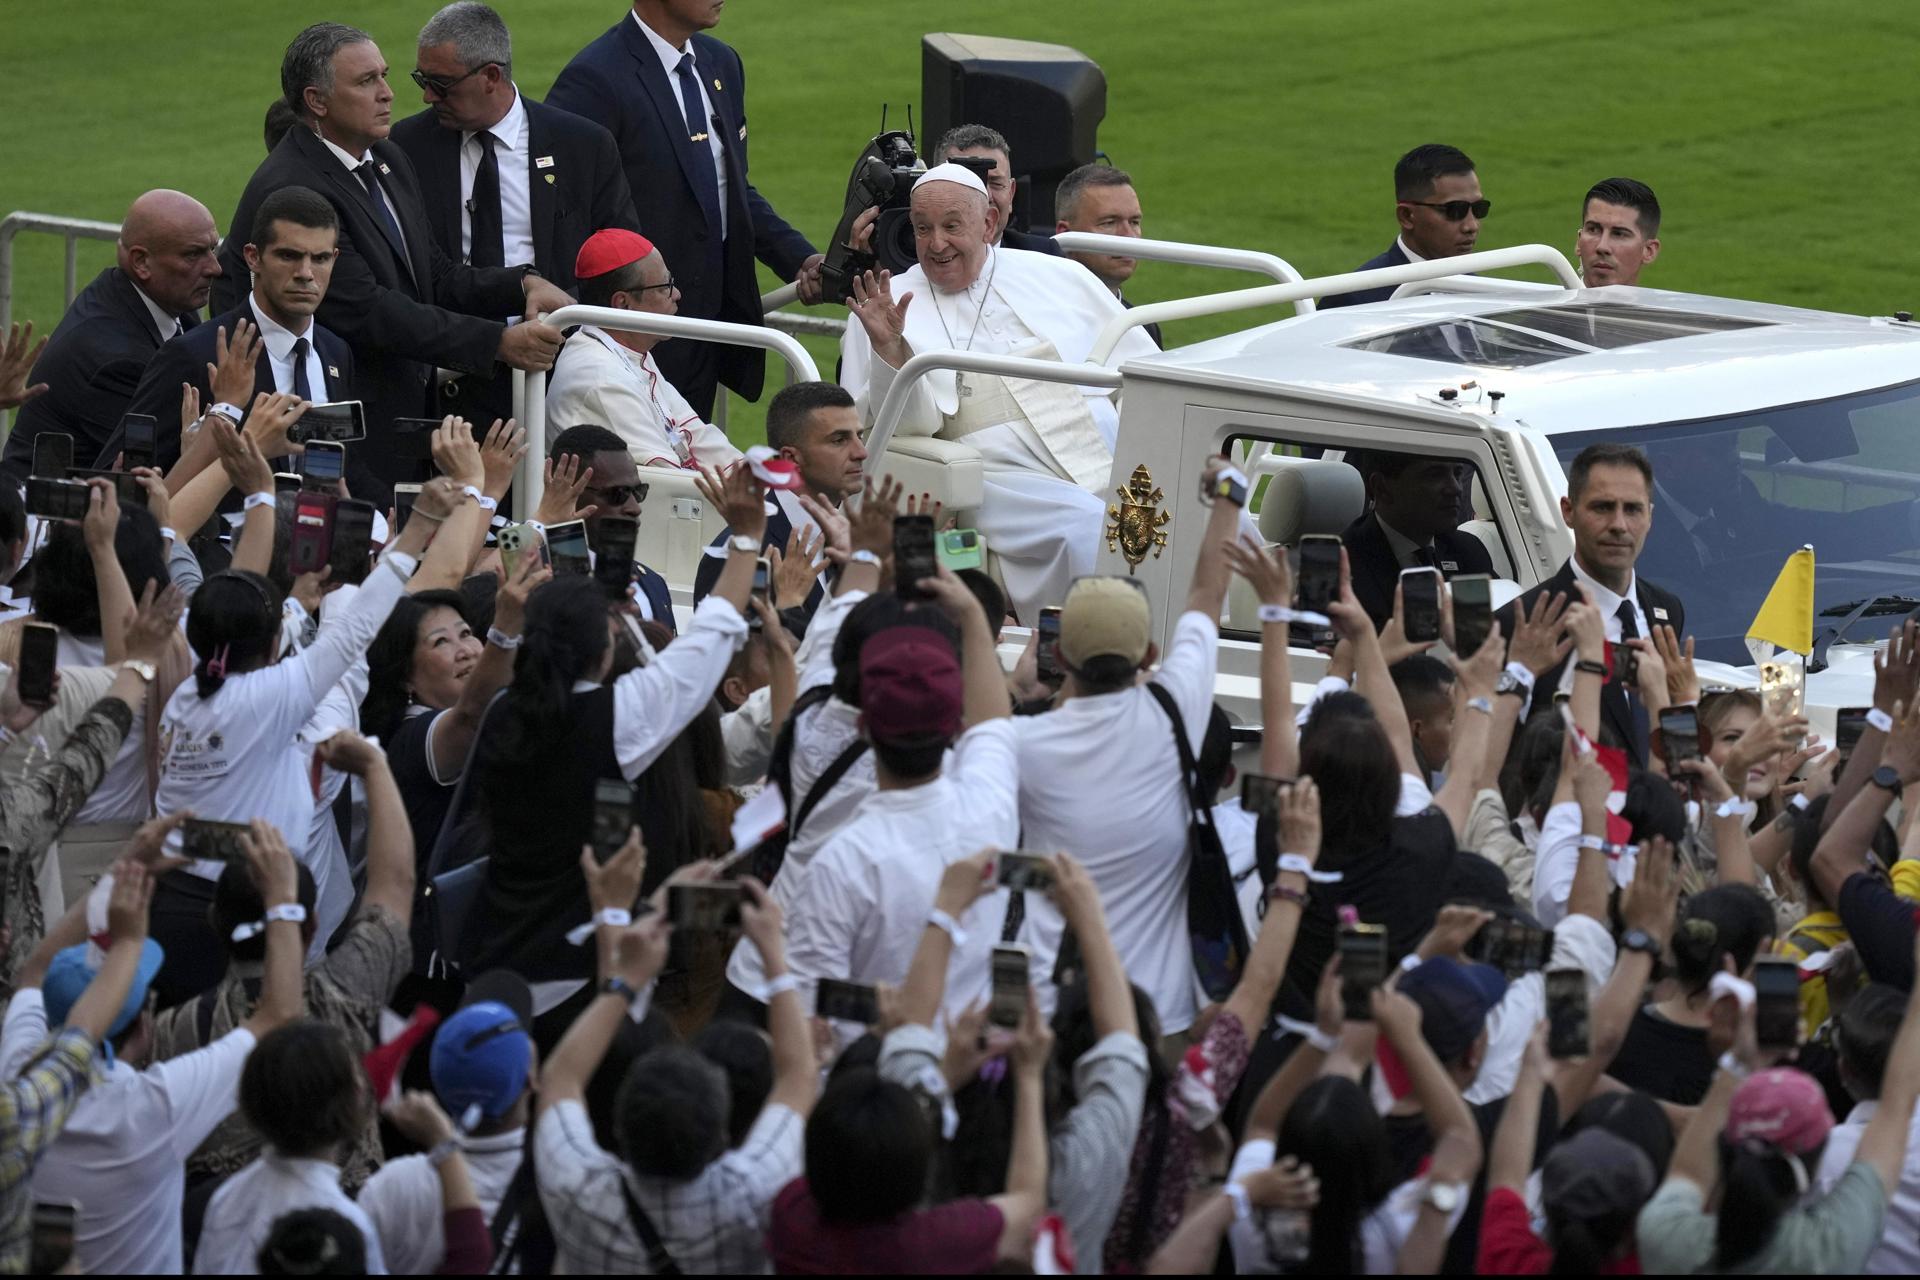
column 1215, row 929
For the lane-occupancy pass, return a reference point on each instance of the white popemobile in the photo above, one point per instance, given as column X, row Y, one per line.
column 1768, row 427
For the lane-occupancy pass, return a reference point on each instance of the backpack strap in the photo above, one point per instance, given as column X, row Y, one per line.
column 659, row 1261
column 1189, row 767
column 825, row 783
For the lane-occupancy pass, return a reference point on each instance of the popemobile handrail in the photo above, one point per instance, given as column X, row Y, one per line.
column 1213, row 304
column 530, row 391
column 1193, row 255
column 919, row 366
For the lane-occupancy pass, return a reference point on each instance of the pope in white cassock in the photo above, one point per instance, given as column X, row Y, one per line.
column 1046, row 447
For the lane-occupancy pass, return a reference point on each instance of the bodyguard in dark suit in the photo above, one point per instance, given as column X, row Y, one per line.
column 1439, row 206
column 505, row 179
column 978, row 142
column 164, row 266
column 618, row 489
column 675, row 102
column 290, row 254
column 400, row 303
column 1100, row 199
column 815, row 426
column 1412, row 523
column 1609, row 509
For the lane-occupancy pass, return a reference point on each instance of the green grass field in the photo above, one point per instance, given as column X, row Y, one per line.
column 1777, row 134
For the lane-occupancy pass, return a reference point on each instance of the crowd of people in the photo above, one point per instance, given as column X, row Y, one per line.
column 417, row 899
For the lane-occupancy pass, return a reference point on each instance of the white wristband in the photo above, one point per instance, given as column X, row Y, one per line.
column 1308, row 1031
column 1300, row 866
column 1280, row 613
column 1880, row 720
column 486, row 503
column 1726, row 984
column 864, row 556
column 231, row 412
column 501, row 640
column 779, row 986
column 1521, row 673
column 1733, row 1066
column 1482, row 705
column 1801, row 802
column 168, row 535
column 1242, row 1206
column 403, row 565
column 291, row 912
column 1735, row 807
column 262, row 499
column 947, row 925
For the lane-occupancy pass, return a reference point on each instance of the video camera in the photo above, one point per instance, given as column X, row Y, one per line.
column 883, row 179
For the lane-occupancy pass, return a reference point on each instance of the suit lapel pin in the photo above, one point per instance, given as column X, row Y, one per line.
column 743, row 133
column 716, row 85
column 384, row 169
column 1448, row 566
column 1659, row 614
column 543, row 162
column 549, row 179
column 332, row 372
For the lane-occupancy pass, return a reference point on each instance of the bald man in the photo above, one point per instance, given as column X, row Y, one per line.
column 164, row 267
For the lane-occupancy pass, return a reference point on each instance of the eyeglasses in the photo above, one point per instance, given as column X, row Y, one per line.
column 669, row 283
column 618, row 494
column 444, row 87
column 1455, row 210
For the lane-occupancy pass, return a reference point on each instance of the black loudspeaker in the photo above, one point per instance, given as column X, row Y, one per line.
column 1047, row 99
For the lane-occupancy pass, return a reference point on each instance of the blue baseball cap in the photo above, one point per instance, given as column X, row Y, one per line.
column 71, row 973
column 481, row 1056
column 1454, row 1000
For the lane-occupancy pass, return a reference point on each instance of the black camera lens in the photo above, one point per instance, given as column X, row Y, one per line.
column 893, row 240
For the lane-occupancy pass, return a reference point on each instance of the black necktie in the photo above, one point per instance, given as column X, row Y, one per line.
column 489, row 239
column 1629, row 624
column 302, row 387
column 706, row 184
column 1636, row 710
column 370, row 177
column 1424, row 556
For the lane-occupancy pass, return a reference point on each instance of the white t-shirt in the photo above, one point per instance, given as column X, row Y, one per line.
column 122, row 1155
column 242, row 1212
column 122, row 793
column 1579, row 942
column 404, row 1199
column 1559, row 858
column 863, row 904
column 1898, row 1253
column 1100, row 778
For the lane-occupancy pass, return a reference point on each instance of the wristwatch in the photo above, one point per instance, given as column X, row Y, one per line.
column 1640, row 940
column 741, row 542
column 140, row 667
column 1510, row 683
column 1887, row 776
column 1445, row 1197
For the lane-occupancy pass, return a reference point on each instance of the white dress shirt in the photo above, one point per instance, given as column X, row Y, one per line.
column 1608, row 602
column 598, row 381
column 1558, row 859
column 864, row 902
column 167, row 326
column 1898, row 1253
column 511, row 139
column 404, row 1199
column 352, row 164
column 122, row 1155
column 242, row 1212
column 279, row 342
column 670, row 59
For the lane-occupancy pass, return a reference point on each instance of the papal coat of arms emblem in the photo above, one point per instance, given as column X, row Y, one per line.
column 1138, row 525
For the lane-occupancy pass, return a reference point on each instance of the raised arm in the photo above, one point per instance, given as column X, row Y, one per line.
column 455, row 731
column 1538, row 645
column 1305, row 1064
column 281, row 990
column 796, row 1071
column 390, row 851
column 1589, row 784
column 635, row 955
column 1473, row 730
column 962, row 884
column 1884, row 1144
column 1109, row 994
column 1298, row 835
column 1511, row 1159
column 984, row 684
column 1589, row 632
column 94, row 1012
column 1270, row 575
column 1370, row 678
column 101, row 525
column 451, row 553
column 1843, row 849
column 1025, row 1199
column 743, row 501
column 1211, row 572
column 1727, row 814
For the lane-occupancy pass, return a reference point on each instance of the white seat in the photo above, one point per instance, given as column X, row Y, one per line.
column 676, row 524
column 1304, row 496
column 951, row 472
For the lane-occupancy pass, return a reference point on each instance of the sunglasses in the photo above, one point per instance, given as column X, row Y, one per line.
column 617, row 495
column 440, row 86
column 1455, row 210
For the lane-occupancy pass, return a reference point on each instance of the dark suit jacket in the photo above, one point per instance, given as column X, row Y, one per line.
column 779, row 529
column 618, row 82
column 185, row 359
column 92, row 363
column 1660, row 606
column 659, row 598
column 1153, row 330
column 402, row 314
column 1393, row 257
column 1376, row 571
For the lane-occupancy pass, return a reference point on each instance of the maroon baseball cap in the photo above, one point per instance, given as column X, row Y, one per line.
column 910, row 688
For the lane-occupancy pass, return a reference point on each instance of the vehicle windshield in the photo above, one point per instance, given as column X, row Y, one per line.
column 1734, row 496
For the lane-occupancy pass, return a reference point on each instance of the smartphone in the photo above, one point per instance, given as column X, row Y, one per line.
column 1363, row 966
column 1260, row 795
column 1512, row 946
column 613, row 566
column 1567, row 1030
column 140, row 440
column 39, row 654
column 567, row 548
column 213, row 841
column 612, row 815
column 1022, row 869
column 1679, row 737
column 1420, row 604
column 125, row 485
column 762, row 589
column 52, row 499
column 1849, row 724
column 51, row 1246
column 1047, row 656
column 913, row 555
column 1626, row 664
column 706, row 907
column 516, row 542
column 52, row 454
column 1318, row 584
column 1776, row 1007
column 352, row 539
column 961, row 549
column 337, row 422
column 847, row 1001
column 1472, row 613
column 1008, row 1003
column 310, row 545
column 323, row 464
column 286, row 482
column 403, row 499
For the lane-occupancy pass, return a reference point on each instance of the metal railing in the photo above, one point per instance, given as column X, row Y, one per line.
column 1193, row 255
column 530, row 390
column 73, row 230
column 1213, row 304
column 917, row 367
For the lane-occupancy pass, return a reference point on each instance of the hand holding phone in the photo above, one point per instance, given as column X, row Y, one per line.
column 1318, row 583
column 1568, row 1027
column 1046, row 654
column 1363, row 967
column 1776, row 1003
column 1007, row 1004
column 1472, row 613
column 913, row 555
column 854, row 1002
column 1020, row 869
column 1420, row 605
